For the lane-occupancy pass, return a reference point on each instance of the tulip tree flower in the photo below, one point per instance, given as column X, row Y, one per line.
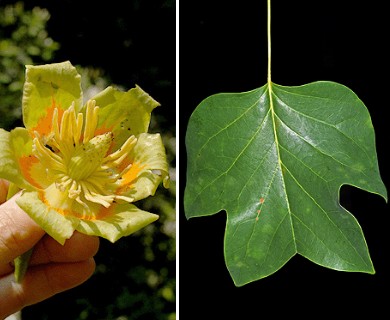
column 82, row 167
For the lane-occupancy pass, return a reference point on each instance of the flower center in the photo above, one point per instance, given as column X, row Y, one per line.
column 87, row 157
column 78, row 164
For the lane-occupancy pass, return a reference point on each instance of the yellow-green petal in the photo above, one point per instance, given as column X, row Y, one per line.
column 149, row 158
column 47, row 87
column 81, row 168
column 118, row 221
column 14, row 146
column 56, row 225
column 124, row 113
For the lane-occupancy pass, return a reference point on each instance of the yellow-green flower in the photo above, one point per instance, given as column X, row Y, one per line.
column 81, row 167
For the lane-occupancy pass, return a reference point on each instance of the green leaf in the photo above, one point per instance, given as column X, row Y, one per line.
column 275, row 159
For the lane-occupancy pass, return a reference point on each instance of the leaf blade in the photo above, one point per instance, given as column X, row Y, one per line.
column 274, row 159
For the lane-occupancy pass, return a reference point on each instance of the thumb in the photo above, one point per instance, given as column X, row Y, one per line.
column 18, row 232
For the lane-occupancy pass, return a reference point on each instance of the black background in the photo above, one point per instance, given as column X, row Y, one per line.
column 223, row 48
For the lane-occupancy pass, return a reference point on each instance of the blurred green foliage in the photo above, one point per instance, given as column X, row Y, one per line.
column 135, row 277
column 23, row 40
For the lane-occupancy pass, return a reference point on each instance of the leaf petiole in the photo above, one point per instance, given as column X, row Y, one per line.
column 269, row 39
column 21, row 265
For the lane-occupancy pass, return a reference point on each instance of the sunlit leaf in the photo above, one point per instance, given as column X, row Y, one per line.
column 275, row 159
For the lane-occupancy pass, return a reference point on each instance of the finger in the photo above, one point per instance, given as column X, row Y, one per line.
column 18, row 232
column 79, row 247
column 40, row 283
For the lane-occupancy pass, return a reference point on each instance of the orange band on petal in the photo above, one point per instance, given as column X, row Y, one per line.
column 124, row 164
column 130, row 176
column 44, row 125
column 26, row 164
column 63, row 212
column 67, row 212
column 105, row 212
column 102, row 130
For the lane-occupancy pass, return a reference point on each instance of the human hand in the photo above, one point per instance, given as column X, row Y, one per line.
column 53, row 268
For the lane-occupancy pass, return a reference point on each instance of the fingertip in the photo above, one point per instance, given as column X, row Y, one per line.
column 79, row 247
column 18, row 232
column 87, row 245
column 42, row 282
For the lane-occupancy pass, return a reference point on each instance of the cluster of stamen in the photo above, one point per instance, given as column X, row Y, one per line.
column 78, row 163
